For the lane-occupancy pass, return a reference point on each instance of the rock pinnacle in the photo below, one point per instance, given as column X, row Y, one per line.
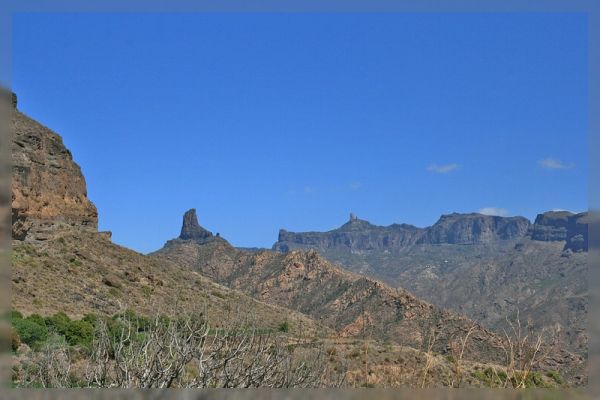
column 191, row 229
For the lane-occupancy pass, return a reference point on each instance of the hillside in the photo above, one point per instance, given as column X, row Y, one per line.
column 353, row 305
column 485, row 267
column 60, row 262
column 380, row 335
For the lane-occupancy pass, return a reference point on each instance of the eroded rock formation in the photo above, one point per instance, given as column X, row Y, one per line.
column 48, row 188
column 556, row 226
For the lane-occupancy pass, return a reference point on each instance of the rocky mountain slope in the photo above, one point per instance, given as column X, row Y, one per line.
column 48, row 188
column 455, row 228
column 60, row 262
column 485, row 267
column 562, row 226
column 351, row 304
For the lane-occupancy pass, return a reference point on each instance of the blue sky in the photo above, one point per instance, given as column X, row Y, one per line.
column 268, row 121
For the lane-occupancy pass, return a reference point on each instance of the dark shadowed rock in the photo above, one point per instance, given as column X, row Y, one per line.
column 306, row 282
column 191, row 229
column 475, row 264
column 551, row 226
column 360, row 235
column 8, row 96
column 356, row 234
column 474, row 228
column 558, row 226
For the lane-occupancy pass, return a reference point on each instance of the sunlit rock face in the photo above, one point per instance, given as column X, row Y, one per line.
column 48, row 189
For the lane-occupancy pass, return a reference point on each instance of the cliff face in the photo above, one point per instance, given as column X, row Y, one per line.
column 556, row 226
column 474, row 228
column 356, row 234
column 308, row 283
column 191, row 229
column 48, row 188
column 478, row 265
column 60, row 263
column 363, row 236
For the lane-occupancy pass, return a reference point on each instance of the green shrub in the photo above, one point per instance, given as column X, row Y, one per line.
column 556, row 377
column 147, row 290
column 502, row 375
column 490, row 377
column 79, row 333
column 29, row 331
column 139, row 321
column 16, row 315
column 284, row 327
column 15, row 340
column 38, row 319
column 91, row 318
column 59, row 323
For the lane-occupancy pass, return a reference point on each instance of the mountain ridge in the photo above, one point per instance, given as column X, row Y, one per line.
column 62, row 263
column 56, row 239
column 351, row 304
column 539, row 268
column 454, row 228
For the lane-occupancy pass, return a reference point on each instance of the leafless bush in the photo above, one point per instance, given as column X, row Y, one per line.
column 432, row 332
column 457, row 351
column 48, row 367
column 183, row 352
column 525, row 350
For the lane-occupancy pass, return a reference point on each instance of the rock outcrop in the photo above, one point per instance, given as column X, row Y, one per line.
column 474, row 229
column 455, row 228
column 306, row 282
column 558, row 226
column 356, row 235
column 478, row 265
column 48, row 188
column 361, row 235
column 191, row 229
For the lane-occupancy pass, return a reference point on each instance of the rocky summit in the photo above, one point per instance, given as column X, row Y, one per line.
column 61, row 263
column 48, row 188
column 466, row 274
column 454, row 228
column 306, row 282
column 474, row 228
column 356, row 234
column 559, row 226
column 191, row 229
column 486, row 267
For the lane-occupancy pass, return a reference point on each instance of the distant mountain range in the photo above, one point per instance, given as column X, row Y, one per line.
column 484, row 266
column 352, row 286
column 353, row 305
column 361, row 235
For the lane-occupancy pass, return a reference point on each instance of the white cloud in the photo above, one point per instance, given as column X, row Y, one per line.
column 553, row 163
column 501, row 212
column 355, row 185
column 442, row 169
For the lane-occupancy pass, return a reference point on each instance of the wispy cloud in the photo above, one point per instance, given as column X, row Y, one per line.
column 553, row 163
column 500, row 212
column 355, row 185
column 442, row 169
column 303, row 190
